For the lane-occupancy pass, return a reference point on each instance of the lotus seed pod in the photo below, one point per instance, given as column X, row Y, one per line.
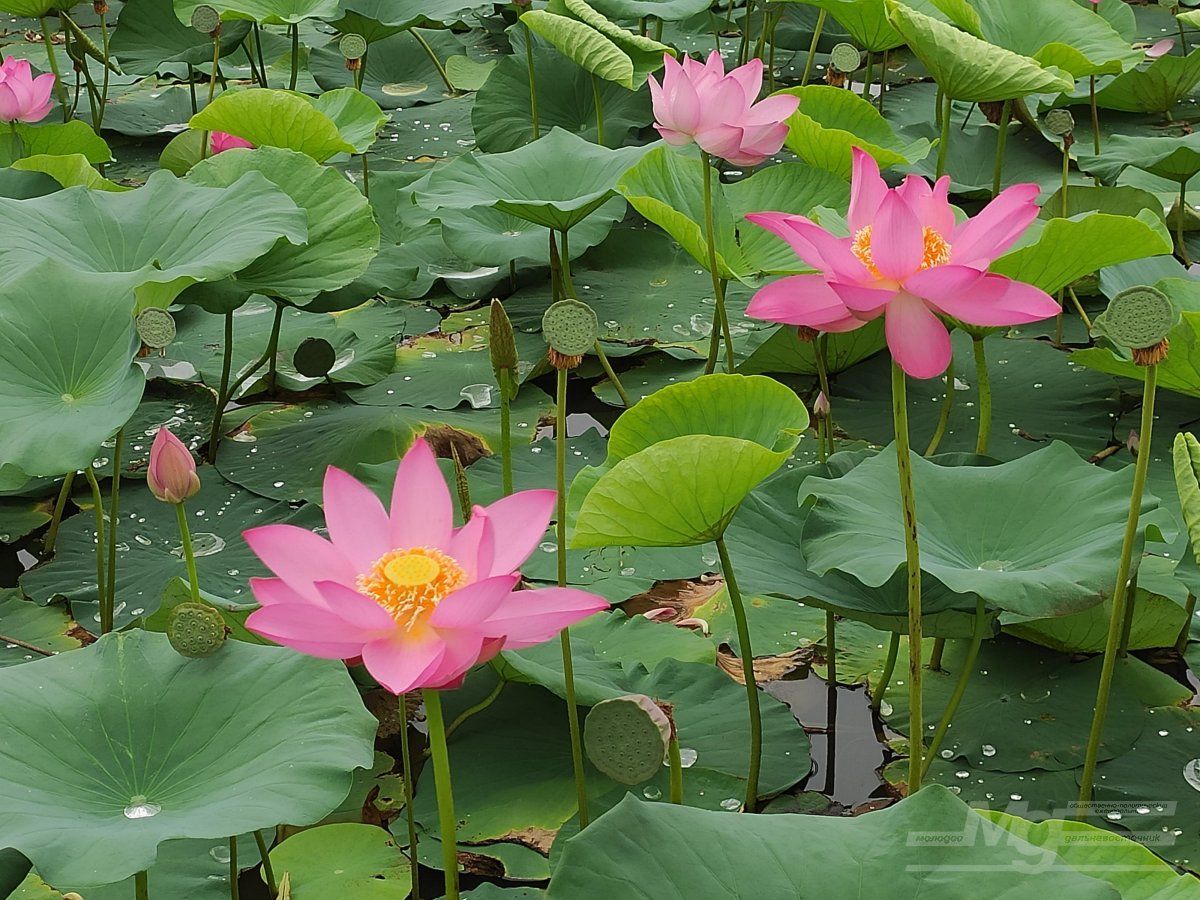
column 626, row 738
column 1138, row 318
column 1059, row 122
column 195, row 630
column 206, row 20
column 353, row 46
column 156, row 327
column 502, row 345
column 314, row 358
column 845, row 58
column 1186, row 453
column 570, row 327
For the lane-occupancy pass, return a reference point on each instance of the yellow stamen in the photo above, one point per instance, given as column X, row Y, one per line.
column 411, row 582
column 936, row 250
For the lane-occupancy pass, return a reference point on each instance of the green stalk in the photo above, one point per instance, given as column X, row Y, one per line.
column 272, row 351
column 414, row 866
column 747, row 654
column 916, row 727
column 107, row 69
column 1127, row 623
column 720, row 316
column 360, row 74
column 822, row 451
column 676, row 776
column 264, row 853
column 366, row 177
column 60, row 505
column 1120, row 595
column 52, row 57
column 114, row 510
column 560, row 532
column 599, row 110
column 1001, row 142
column 947, row 105
column 830, row 648
column 214, row 435
column 533, row 98
column 1185, row 632
column 295, row 32
column 984, row 385
column 1066, row 171
column 960, row 686
column 821, row 354
column 1095, row 115
column 612, row 375
column 883, row 70
column 477, row 708
column 935, row 655
column 141, row 886
column 445, row 796
column 506, row 471
column 867, row 72
column 212, row 89
column 234, row 890
column 944, row 418
column 192, row 86
column 889, row 666
column 437, row 63
column 1079, row 308
column 106, row 616
column 262, row 65
column 185, row 537
column 1183, row 253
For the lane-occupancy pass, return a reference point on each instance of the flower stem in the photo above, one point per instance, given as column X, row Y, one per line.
column 747, row 654
column 960, row 686
column 944, row 418
column 612, row 376
column 1179, row 222
column 506, row 470
column 533, row 97
column 676, row 776
column 720, row 315
column 141, row 886
column 599, row 104
column 821, row 354
column 947, row 106
column 407, row 768
column 106, row 616
column 867, row 72
column 185, row 536
column 366, row 170
column 272, row 351
column 1001, row 142
column 212, row 89
column 445, row 797
column 262, row 65
column 1120, row 595
column 114, row 508
column 477, row 708
column 60, row 505
column 1095, row 115
column 830, row 648
column 214, row 436
column 812, row 47
column 935, row 655
column 437, row 63
column 916, row 727
column 984, row 385
column 52, row 57
column 883, row 72
column 234, row 871
column 1185, row 632
column 295, row 32
column 264, row 853
column 889, row 666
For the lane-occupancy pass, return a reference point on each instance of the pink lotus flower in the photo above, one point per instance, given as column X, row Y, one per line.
column 699, row 102
column 420, row 601
column 23, row 98
column 907, row 260
column 219, row 142
column 171, row 475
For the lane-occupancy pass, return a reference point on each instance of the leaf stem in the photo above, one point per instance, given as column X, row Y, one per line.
column 676, row 775
column 947, row 106
column 60, row 506
column 106, row 616
column 506, row 470
column 212, row 89
column 889, row 666
column 1185, row 632
column 114, row 508
column 1001, row 143
column 533, row 97
column 52, row 57
column 1179, row 223
column 447, row 830
column 960, row 686
column 189, row 557
column 234, row 871
column 747, row 654
column 141, row 886
column 599, row 104
column 223, row 392
column 984, row 386
column 830, row 648
column 437, row 63
column 295, row 33
column 477, row 708
column 264, row 853
column 944, row 417
column 812, row 47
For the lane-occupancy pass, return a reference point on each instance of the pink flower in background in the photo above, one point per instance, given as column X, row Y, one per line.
column 419, row 600
column 23, row 98
column 1162, row 48
column 906, row 260
column 699, row 102
column 219, row 142
column 171, row 475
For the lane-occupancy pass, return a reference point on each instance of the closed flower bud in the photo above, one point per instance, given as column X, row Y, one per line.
column 821, row 406
column 172, row 474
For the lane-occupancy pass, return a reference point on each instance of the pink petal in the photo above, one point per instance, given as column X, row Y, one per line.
column 531, row 617
column 773, row 110
column 897, row 241
column 298, row 556
column 931, row 205
column 469, row 607
column 813, row 244
column 10, row 107
column 518, row 522
column 358, row 524
column 865, row 302
column 979, row 241
column 749, row 77
column 401, row 663
column 985, row 300
column 867, row 190
column 720, row 139
column 474, row 545
column 308, row 629
column 422, row 514
column 357, row 609
column 798, row 300
column 919, row 342
column 461, row 652
column 758, row 142
column 1162, row 48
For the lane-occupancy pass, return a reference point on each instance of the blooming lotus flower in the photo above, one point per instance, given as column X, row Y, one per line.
column 699, row 102
column 907, row 260
column 419, row 600
column 171, row 475
column 23, row 98
column 219, row 142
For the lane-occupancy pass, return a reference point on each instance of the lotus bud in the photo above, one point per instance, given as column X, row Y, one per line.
column 821, row 406
column 1134, row 442
column 171, row 475
column 1186, row 461
column 196, row 630
column 502, row 346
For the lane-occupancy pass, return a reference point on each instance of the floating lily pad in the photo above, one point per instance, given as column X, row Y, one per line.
column 348, row 859
column 377, row 20
column 45, row 627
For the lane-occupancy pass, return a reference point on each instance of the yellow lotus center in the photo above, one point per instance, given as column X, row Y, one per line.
column 936, row 250
column 411, row 582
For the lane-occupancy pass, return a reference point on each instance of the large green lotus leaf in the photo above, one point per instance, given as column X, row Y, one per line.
column 341, row 121
column 1057, row 33
column 566, row 99
column 377, row 20
column 556, row 181
column 29, row 9
column 20, row 516
column 264, row 12
column 864, row 20
column 667, row 10
column 71, row 170
column 67, row 379
column 1179, row 372
column 63, row 139
column 174, row 748
column 1065, row 250
column 783, row 352
column 348, row 859
column 969, row 68
column 46, row 627
column 1173, row 158
column 343, row 236
column 994, row 531
column 149, row 555
column 149, row 37
column 160, row 237
column 1154, row 88
column 669, row 851
column 830, row 121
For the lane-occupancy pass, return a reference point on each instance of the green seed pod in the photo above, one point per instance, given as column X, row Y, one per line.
column 502, row 345
column 845, row 58
column 570, row 327
column 353, row 46
column 626, row 738
column 156, row 327
column 206, row 19
column 314, row 358
column 1137, row 318
column 195, row 630
column 1186, row 453
column 1059, row 122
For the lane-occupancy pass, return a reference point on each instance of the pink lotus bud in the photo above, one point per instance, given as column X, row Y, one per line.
column 821, row 406
column 172, row 473
column 23, row 98
column 219, row 142
column 1133, row 443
